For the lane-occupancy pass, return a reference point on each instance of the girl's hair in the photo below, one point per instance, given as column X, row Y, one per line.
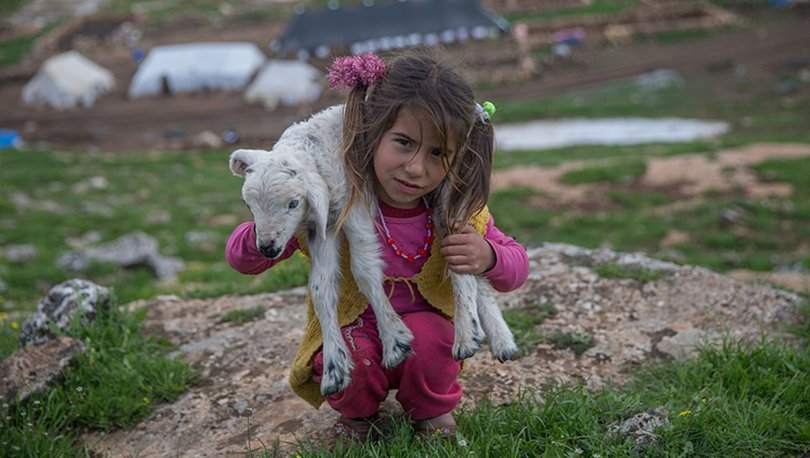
column 419, row 80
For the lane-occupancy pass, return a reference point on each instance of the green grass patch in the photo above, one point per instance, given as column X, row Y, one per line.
column 732, row 401
column 622, row 99
column 620, row 172
column 523, row 322
column 114, row 384
column 13, row 50
column 637, row 200
column 640, row 274
column 578, row 342
column 9, row 6
column 627, row 228
column 239, row 317
column 733, row 233
column 630, row 153
column 754, row 112
column 727, row 231
column 54, row 205
column 596, row 7
column 9, row 333
column 792, row 171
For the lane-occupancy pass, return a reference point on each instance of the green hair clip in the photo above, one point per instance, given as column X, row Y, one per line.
column 489, row 107
column 485, row 110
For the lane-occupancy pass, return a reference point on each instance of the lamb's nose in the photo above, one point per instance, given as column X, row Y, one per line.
column 270, row 250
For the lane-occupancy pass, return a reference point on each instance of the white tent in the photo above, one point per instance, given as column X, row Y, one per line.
column 66, row 81
column 285, row 82
column 196, row 67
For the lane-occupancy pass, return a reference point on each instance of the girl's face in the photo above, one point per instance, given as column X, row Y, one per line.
column 409, row 161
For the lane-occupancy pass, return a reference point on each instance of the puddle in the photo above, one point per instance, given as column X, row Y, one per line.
column 609, row 131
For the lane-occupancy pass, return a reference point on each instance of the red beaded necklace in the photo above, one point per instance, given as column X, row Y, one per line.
column 428, row 239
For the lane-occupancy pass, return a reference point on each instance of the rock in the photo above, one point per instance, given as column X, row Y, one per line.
column 32, row 369
column 684, row 344
column 244, row 368
column 206, row 139
column 640, row 428
column 20, row 253
column 135, row 249
column 59, row 308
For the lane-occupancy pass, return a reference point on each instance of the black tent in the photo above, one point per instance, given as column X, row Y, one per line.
column 398, row 24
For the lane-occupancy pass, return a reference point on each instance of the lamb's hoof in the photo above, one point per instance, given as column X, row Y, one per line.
column 464, row 351
column 335, row 379
column 393, row 356
column 504, row 353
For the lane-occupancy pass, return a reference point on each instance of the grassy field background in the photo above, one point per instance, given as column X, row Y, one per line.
column 189, row 201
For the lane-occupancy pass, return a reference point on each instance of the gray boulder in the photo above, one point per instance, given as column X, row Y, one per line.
column 63, row 302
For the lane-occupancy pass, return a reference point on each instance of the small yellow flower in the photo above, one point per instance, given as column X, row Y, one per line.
column 14, row 325
column 145, row 400
column 684, row 413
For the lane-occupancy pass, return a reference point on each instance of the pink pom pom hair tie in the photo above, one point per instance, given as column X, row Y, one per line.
column 350, row 71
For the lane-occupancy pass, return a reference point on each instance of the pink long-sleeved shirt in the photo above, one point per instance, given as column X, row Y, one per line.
column 407, row 226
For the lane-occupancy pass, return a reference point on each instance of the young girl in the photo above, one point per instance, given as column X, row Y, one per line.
column 411, row 128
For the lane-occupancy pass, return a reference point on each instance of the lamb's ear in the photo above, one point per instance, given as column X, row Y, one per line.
column 318, row 200
column 241, row 159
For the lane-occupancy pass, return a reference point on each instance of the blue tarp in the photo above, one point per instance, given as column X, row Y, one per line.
column 9, row 139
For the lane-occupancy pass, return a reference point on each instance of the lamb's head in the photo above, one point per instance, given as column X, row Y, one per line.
column 283, row 197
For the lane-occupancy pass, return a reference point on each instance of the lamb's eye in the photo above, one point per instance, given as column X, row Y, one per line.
column 293, row 204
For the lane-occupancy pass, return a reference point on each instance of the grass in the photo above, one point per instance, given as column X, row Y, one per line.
column 732, row 401
column 596, row 7
column 114, row 384
column 619, row 172
column 735, row 400
column 64, row 209
column 640, row 274
column 753, row 111
column 630, row 153
column 523, row 322
column 727, row 231
column 7, row 6
column 239, row 317
column 15, row 49
column 578, row 342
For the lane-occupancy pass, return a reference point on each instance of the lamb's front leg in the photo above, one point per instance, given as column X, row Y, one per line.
column 367, row 267
column 468, row 329
column 501, row 342
column 323, row 286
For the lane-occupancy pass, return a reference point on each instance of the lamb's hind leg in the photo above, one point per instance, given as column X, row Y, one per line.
column 468, row 329
column 367, row 267
column 501, row 342
column 323, row 286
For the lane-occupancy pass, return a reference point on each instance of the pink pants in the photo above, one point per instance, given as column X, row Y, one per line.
column 427, row 381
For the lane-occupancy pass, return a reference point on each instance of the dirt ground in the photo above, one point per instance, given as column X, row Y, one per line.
column 764, row 47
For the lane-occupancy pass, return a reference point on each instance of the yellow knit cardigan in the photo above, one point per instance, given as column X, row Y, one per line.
column 431, row 280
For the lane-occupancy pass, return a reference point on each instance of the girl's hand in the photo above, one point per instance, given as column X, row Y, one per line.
column 467, row 252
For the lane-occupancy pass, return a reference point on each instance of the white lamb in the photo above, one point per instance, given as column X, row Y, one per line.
column 300, row 187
